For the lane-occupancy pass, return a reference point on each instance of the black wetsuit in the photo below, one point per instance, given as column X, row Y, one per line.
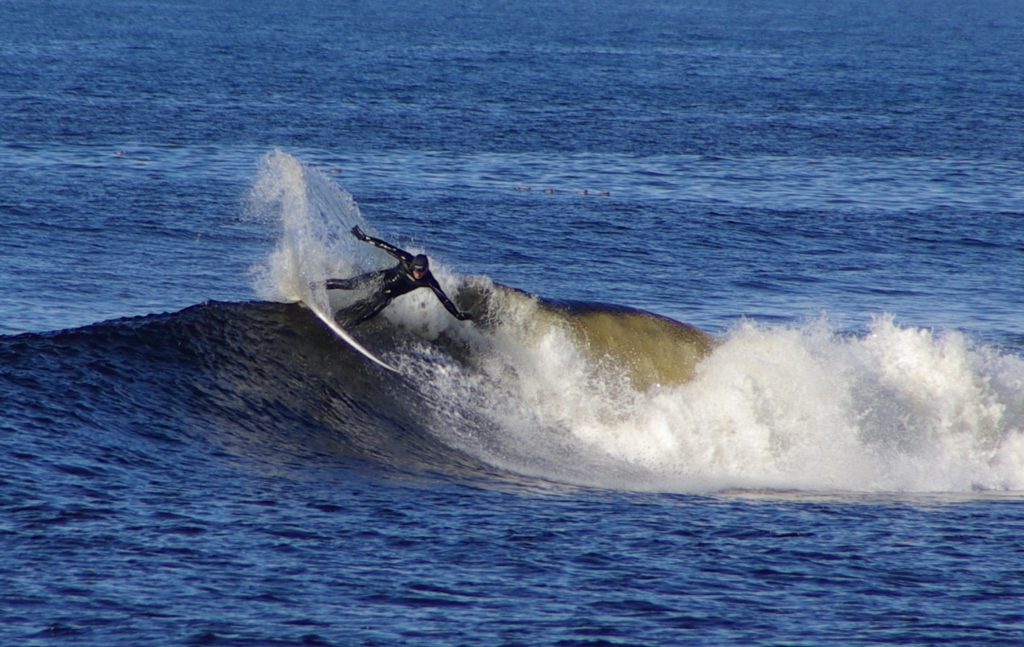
column 388, row 284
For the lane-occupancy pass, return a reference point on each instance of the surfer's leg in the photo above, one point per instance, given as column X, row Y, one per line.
column 357, row 314
column 341, row 284
column 372, row 311
column 352, row 283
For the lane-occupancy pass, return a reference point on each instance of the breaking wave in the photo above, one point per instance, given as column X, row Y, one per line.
column 534, row 391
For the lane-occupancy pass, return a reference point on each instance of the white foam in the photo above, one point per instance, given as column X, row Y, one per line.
column 793, row 408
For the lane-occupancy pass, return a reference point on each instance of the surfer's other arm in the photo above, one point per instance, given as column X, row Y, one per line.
column 446, row 302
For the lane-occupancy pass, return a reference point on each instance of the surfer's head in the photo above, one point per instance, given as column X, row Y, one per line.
column 419, row 266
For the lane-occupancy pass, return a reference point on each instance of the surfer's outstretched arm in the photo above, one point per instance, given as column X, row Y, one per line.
column 446, row 302
column 400, row 254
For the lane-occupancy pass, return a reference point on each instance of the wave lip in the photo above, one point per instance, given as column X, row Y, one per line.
column 648, row 349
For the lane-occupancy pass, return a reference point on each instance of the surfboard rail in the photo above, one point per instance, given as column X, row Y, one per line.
column 347, row 337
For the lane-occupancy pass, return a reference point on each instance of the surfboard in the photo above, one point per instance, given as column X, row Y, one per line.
column 347, row 338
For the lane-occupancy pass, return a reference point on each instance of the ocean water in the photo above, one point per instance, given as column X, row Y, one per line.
column 748, row 361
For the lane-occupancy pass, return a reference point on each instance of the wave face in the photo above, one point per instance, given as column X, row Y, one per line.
column 263, row 380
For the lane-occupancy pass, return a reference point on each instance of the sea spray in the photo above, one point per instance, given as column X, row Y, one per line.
column 314, row 216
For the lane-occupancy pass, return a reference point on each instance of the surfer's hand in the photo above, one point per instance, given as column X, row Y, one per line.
column 358, row 233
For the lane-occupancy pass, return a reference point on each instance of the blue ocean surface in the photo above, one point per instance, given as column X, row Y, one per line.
column 747, row 363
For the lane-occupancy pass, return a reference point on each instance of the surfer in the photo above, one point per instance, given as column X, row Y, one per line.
column 411, row 273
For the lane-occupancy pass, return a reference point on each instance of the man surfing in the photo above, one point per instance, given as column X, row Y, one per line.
column 411, row 273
